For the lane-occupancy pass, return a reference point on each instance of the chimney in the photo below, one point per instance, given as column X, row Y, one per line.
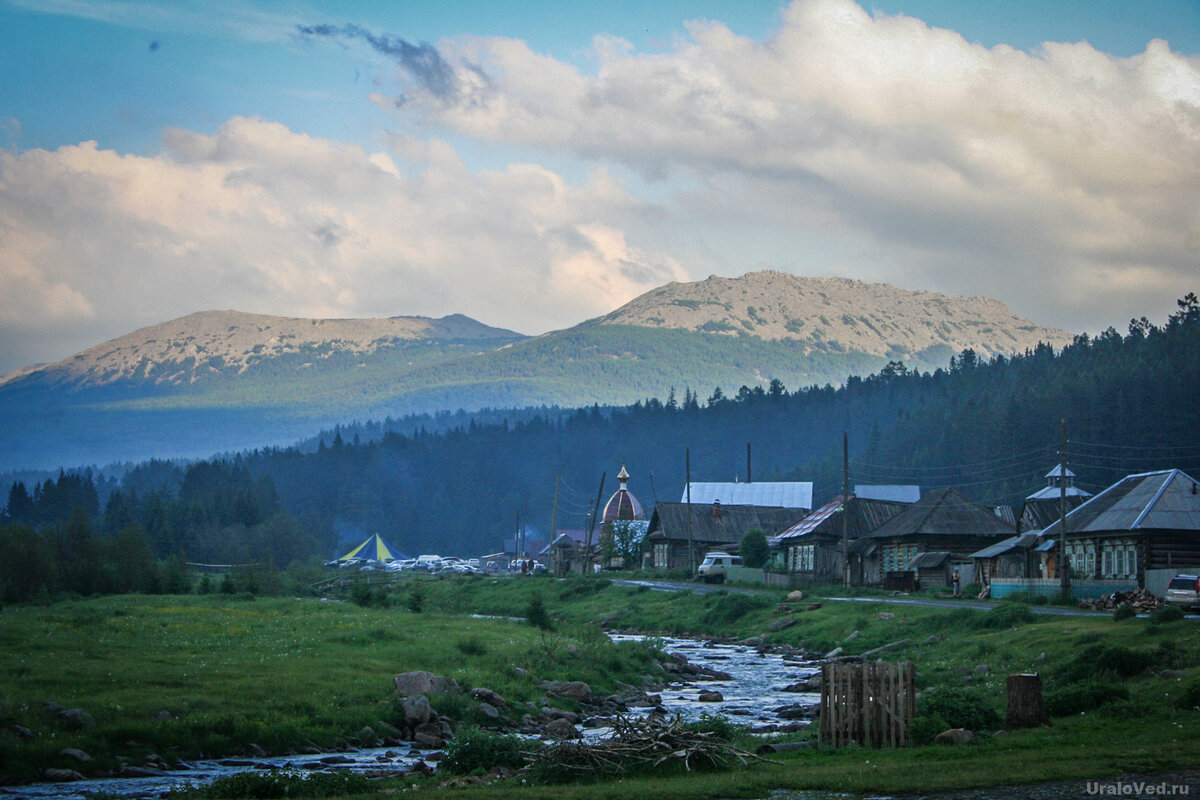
column 716, row 513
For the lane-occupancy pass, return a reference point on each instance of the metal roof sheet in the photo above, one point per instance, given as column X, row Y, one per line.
column 1166, row 500
column 896, row 493
column 762, row 494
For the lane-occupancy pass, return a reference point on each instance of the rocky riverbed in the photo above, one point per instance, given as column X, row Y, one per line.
column 766, row 690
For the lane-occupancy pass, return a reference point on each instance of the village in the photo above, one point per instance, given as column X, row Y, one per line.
column 1132, row 538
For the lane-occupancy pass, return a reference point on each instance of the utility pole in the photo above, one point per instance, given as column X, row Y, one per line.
column 846, row 508
column 1064, row 579
column 554, row 512
column 687, row 470
column 749, row 479
column 587, row 555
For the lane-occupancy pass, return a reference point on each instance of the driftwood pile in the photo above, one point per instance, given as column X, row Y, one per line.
column 638, row 746
column 1141, row 600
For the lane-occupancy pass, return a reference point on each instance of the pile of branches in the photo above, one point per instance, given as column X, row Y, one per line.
column 1141, row 600
column 639, row 745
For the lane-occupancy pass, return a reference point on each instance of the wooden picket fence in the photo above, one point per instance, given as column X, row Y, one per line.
column 869, row 704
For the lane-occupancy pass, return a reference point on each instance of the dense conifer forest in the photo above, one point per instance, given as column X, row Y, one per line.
column 990, row 428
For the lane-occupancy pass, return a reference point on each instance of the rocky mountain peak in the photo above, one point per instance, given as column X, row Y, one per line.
column 844, row 314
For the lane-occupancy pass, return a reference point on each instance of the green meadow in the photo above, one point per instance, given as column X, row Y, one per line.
column 280, row 672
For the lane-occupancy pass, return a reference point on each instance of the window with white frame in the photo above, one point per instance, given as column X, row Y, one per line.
column 660, row 556
column 1119, row 559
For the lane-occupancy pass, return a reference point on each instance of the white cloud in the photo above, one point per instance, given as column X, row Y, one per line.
column 973, row 169
column 259, row 218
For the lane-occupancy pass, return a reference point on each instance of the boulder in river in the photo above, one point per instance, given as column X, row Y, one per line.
column 54, row 775
column 560, row 729
column 417, row 710
column 711, row 697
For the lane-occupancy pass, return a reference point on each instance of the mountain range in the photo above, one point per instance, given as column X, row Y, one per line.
column 226, row 380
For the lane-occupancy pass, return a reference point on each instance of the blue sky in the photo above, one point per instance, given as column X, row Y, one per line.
column 534, row 164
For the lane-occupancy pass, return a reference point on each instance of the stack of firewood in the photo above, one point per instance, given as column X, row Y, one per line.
column 1141, row 600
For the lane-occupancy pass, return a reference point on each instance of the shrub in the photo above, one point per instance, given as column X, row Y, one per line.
column 536, row 612
column 1075, row 698
column 717, row 725
column 1100, row 660
column 725, row 609
column 1124, row 612
column 972, row 709
column 416, row 600
column 1191, row 696
column 753, row 549
column 475, row 750
column 1005, row 615
column 1166, row 614
column 922, row 729
column 471, row 646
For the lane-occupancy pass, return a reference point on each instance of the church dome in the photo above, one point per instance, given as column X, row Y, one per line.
column 622, row 505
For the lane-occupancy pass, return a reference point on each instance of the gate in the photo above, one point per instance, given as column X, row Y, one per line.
column 867, row 704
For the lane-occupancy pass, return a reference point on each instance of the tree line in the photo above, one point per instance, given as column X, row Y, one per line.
column 989, row 427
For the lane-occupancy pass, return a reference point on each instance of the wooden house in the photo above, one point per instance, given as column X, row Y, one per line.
column 681, row 533
column 1144, row 522
column 943, row 521
column 810, row 551
column 1014, row 557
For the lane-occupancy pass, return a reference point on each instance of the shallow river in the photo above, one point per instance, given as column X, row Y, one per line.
column 749, row 698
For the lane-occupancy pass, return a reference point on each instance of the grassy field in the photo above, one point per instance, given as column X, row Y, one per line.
column 278, row 672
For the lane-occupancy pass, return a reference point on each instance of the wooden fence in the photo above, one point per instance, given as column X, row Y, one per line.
column 869, row 704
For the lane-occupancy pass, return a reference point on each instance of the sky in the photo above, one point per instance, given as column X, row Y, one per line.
column 535, row 164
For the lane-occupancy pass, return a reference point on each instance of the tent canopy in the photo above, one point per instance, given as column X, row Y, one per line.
column 373, row 549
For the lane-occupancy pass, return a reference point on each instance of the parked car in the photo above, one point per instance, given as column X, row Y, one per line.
column 1184, row 591
column 715, row 567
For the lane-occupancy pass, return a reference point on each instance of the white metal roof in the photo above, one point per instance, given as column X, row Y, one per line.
column 768, row 495
column 897, row 493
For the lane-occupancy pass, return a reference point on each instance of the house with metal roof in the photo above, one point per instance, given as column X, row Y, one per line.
column 811, row 551
column 681, row 533
column 1149, row 522
column 943, row 521
column 765, row 494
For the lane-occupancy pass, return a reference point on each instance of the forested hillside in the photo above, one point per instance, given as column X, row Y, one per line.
column 990, row 428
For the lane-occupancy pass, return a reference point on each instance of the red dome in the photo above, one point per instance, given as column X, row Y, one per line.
column 622, row 505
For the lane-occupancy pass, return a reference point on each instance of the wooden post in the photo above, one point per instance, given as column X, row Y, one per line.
column 1025, row 706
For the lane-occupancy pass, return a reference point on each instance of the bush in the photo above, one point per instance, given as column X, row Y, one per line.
column 922, row 729
column 1166, row 614
column 753, row 549
column 1005, row 615
column 717, row 725
column 1191, row 696
column 1099, row 660
column 475, row 750
column 471, row 646
column 1124, row 612
column 725, row 609
column 972, row 709
column 536, row 612
column 1076, row 698
column 416, row 600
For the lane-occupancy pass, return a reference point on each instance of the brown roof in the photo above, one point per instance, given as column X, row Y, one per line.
column 718, row 523
column 943, row 511
column 865, row 516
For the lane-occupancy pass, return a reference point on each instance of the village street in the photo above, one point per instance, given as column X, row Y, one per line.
column 978, row 605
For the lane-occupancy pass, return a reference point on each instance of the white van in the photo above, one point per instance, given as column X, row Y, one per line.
column 428, row 562
column 715, row 567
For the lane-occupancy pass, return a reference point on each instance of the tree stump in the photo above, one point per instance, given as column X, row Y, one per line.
column 1025, row 706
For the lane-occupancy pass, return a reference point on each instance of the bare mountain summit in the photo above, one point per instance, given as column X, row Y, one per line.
column 207, row 342
column 849, row 315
